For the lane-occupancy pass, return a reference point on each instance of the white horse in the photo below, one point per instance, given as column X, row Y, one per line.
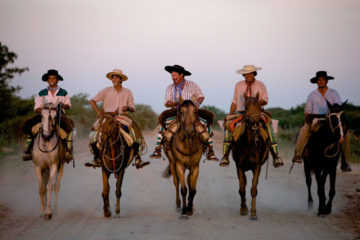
column 48, row 155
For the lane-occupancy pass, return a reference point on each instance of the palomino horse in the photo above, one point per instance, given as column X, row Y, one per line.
column 250, row 152
column 48, row 154
column 116, row 155
column 184, row 152
column 321, row 155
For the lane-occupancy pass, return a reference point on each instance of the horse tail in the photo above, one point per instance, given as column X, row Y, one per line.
column 45, row 174
column 166, row 173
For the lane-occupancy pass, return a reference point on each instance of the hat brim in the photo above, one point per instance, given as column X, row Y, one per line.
column 123, row 76
column 171, row 69
column 315, row 79
column 46, row 76
column 243, row 71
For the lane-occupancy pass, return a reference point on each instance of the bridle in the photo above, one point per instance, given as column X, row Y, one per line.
column 53, row 131
column 333, row 128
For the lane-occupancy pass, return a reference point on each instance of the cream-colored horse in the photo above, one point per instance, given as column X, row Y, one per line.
column 48, row 152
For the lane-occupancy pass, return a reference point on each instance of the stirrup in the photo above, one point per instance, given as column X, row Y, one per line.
column 297, row 159
column 211, row 156
column 93, row 163
column 156, row 153
column 140, row 164
column 277, row 163
column 224, row 162
column 27, row 157
column 68, row 157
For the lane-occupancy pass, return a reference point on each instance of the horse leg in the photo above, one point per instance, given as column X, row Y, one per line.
column 105, row 193
column 176, row 183
column 192, row 180
column 308, row 178
column 42, row 191
column 331, row 191
column 118, row 191
column 180, row 171
column 49, row 190
column 256, row 173
column 57, row 185
column 321, row 192
column 242, row 191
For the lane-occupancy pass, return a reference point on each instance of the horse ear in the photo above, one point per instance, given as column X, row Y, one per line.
column 343, row 105
column 257, row 96
column 116, row 112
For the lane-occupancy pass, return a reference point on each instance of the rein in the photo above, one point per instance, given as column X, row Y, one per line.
column 47, row 151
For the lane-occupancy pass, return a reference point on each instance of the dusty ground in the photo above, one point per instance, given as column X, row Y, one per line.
column 148, row 204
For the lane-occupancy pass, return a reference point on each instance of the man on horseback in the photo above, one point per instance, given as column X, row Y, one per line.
column 316, row 108
column 251, row 87
column 113, row 99
column 187, row 90
column 56, row 95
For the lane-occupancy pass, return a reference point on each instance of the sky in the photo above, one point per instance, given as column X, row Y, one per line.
column 85, row 39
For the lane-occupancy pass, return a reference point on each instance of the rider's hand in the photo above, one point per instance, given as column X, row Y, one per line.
column 125, row 109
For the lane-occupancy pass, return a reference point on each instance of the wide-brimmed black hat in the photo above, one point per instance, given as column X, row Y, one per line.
column 320, row 74
column 178, row 69
column 51, row 72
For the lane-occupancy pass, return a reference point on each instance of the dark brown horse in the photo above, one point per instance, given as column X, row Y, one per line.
column 250, row 152
column 116, row 155
column 184, row 152
column 321, row 155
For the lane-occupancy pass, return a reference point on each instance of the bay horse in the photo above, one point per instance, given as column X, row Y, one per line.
column 184, row 153
column 250, row 152
column 48, row 158
column 321, row 155
column 116, row 155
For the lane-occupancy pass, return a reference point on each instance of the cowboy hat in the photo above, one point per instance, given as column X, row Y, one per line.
column 51, row 72
column 248, row 69
column 117, row 72
column 320, row 74
column 178, row 69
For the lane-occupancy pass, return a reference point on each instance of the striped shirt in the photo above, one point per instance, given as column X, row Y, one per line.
column 189, row 91
column 113, row 99
column 45, row 97
column 316, row 103
column 241, row 87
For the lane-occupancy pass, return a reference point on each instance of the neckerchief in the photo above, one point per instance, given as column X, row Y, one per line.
column 178, row 87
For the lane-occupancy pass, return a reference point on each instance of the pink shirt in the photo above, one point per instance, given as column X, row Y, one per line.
column 113, row 99
column 241, row 87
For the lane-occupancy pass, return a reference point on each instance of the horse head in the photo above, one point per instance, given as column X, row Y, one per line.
column 48, row 120
column 187, row 117
column 108, row 127
column 252, row 111
column 336, row 119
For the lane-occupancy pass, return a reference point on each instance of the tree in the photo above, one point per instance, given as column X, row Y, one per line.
column 7, row 92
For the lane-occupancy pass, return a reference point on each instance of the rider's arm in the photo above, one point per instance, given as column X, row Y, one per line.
column 232, row 108
column 95, row 107
column 170, row 104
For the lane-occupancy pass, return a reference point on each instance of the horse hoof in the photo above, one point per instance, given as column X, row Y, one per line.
column 107, row 214
column 183, row 217
column 310, row 205
column 243, row 211
column 253, row 217
column 48, row 216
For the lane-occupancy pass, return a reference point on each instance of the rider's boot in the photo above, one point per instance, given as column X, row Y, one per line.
column 157, row 152
column 138, row 162
column 95, row 162
column 27, row 156
column 211, row 154
column 274, row 153
column 224, row 162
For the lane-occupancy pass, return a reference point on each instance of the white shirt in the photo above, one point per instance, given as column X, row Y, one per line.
column 45, row 96
column 316, row 103
column 241, row 87
column 190, row 90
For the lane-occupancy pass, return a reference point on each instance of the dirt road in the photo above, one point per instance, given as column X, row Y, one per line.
column 148, row 204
